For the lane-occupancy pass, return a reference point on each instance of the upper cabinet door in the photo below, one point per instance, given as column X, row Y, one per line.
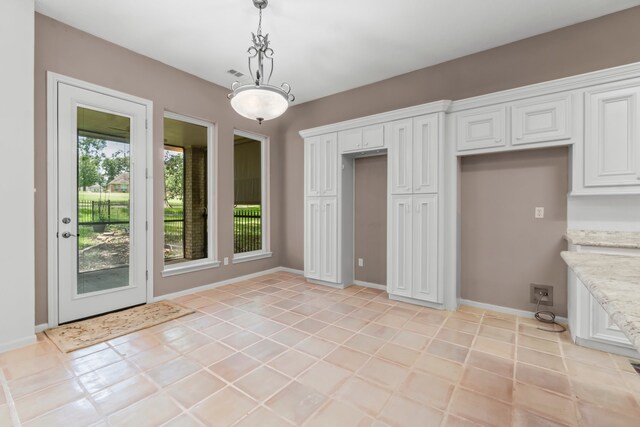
column 312, row 162
column 481, row 128
column 425, row 154
column 401, row 157
column 328, row 165
column 425, row 248
column 362, row 138
column 541, row 119
column 612, row 140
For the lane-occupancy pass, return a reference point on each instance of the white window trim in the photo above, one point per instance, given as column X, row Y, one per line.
column 211, row 261
column 265, row 208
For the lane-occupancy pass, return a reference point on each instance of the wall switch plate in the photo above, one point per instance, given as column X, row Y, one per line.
column 226, row 260
column 360, row 262
column 534, row 293
column 539, row 213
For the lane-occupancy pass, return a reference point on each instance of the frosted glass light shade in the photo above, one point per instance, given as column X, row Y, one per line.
column 259, row 102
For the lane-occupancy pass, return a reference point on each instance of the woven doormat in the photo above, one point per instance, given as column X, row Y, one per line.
column 86, row 333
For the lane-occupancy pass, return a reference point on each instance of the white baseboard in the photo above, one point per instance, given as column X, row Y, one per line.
column 20, row 342
column 414, row 301
column 41, row 327
column 290, row 270
column 328, row 284
column 369, row 285
column 506, row 310
column 224, row 283
column 609, row 348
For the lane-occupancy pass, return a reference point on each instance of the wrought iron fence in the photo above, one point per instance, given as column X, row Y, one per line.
column 247, row 229
column 95, row 212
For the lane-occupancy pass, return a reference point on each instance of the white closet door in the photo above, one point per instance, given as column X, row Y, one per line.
column 400, row 157
column 425, row 154
column 399, row 246
column 425, row 247
column 329, row 239
column 312, row 238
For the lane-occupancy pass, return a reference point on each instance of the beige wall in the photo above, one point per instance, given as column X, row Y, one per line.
column 370, row 224
column 68, row 51
column 503, row 248
column 601, row 43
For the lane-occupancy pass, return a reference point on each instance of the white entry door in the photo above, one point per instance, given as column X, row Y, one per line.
column 101, row 215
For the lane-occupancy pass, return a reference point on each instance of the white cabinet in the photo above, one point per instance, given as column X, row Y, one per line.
column 425, row 247
column 541, row 119
column 413, row 155
column 481, row 128
column 320, row 165
column 321, row 238
column 400, row 157
column 362, row 138
column 612, row 137
column 412, row 266
column 426, row 139
column 400, row 247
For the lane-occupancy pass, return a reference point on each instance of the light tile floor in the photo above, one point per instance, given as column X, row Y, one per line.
column 276, row 351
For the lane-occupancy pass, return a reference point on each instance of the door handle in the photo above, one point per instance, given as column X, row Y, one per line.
column 66, row 235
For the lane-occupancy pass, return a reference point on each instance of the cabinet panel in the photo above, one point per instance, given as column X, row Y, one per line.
column 603, row 328
column 329, row 239
column 399, row 259
column 328, row 165
column 312, row 162
column 362, row 138
column 481, row 128
column 425, row 247
column 401, row 157
column 541, row 120
column 312, row 238
column 425, row 154
column 612, row 141
column 350, row 140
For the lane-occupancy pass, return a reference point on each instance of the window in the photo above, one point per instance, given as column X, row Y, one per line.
column 250, row 210
column 188, row 195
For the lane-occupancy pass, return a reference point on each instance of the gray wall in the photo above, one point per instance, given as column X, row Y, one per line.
column 370, row 223
column 65, row 50
column 503, row 248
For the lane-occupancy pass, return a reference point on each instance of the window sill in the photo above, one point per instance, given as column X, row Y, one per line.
column 188, row 267
column 250, row 257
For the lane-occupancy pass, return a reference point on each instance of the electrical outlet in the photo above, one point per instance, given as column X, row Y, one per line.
column 539, row 213
column 544, row 293
column 226, row 260
column 360, row 262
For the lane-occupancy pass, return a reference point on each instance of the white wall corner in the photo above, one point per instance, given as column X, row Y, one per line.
column 17, row 292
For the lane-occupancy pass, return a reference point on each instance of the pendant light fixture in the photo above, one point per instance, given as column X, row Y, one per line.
column 259, row 100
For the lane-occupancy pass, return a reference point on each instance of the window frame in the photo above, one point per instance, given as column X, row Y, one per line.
column 265, row 205
column 211, row 261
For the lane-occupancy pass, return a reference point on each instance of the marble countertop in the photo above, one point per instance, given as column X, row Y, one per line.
column 611, row 239
column 614, row 281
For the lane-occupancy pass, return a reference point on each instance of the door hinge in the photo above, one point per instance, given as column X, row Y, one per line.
column 146, row 173
column 146, row 123
column 146, row 274
column 146, row 225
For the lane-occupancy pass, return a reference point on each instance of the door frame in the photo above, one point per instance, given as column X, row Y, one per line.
column 53, row 79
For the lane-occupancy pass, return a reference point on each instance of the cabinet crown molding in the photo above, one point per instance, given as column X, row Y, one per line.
column 403, row 113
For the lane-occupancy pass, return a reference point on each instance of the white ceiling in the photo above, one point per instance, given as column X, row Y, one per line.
column 321, row 47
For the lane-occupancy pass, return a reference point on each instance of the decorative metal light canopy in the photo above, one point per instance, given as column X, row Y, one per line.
column 259, row 100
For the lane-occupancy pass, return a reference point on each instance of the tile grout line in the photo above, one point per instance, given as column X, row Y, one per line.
column 13, row 412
